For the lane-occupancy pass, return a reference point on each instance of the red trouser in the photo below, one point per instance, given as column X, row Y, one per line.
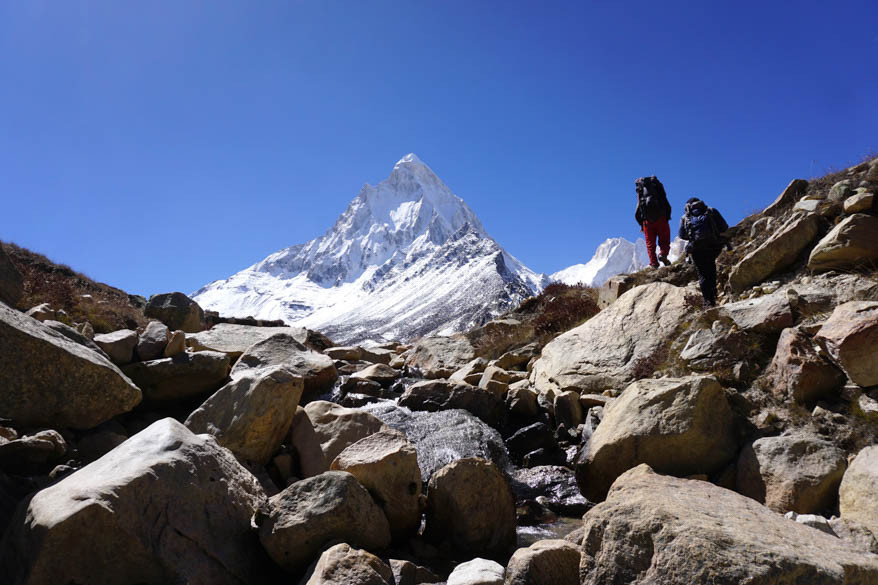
column 657, row 229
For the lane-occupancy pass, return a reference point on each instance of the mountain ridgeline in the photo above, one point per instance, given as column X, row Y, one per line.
column 406, row 258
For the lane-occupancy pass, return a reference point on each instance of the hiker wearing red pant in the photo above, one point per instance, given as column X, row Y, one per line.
column 652, row 215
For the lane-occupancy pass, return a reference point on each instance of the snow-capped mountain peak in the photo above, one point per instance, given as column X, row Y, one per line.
column 613, row 256
column 401, row 239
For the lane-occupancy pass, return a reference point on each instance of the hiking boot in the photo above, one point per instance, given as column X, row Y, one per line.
column 653, row 265
column 664, row 260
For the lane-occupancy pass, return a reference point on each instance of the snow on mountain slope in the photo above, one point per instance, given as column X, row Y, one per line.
column 613, row 256
column 406, row 258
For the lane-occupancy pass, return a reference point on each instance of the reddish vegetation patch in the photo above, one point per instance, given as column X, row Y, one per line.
column 562, row 306
column 538, row 319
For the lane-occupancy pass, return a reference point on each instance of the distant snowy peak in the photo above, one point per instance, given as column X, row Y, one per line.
column 406, row 258
column 411, row 208
column 613, row 256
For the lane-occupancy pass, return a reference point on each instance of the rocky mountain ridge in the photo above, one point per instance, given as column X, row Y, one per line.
column 652, row 441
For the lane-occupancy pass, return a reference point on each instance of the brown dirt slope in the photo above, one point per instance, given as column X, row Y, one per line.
column 107, row 308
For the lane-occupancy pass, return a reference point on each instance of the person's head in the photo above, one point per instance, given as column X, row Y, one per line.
column 695, row 205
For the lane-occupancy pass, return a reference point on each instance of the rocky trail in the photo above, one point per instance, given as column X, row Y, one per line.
column 624, row 437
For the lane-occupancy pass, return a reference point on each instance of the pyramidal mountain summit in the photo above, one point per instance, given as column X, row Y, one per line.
column 406, row 258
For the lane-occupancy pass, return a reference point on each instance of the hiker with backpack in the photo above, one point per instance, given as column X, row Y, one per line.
column 702, row 227
column 652, row 214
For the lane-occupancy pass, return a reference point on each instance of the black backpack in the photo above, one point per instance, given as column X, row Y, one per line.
column 652, row 200
column 704, row 224
column 701, row 229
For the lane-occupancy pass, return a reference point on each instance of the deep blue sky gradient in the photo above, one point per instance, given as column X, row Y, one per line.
column 158, row 146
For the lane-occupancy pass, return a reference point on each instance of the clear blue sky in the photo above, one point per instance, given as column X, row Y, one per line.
column 158, row 146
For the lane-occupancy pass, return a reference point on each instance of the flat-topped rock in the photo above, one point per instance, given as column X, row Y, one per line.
column 611, row 348
column 181, row 377
column 660, row 529
column 439, row 357
column 119, row 345
column 282, row 349
column 235, row 339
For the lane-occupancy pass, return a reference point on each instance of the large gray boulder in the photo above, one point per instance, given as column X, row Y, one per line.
column 177, row 311
column 74, row 335
column 478, row 521
column 251, row 416
column 386, row 464
column 800, row 370
column 849, row 244
column 152, row 342
column 792, row 193
column 11, row 283
column 777, row 252
column 615, row 346
column 798, row 472
column 720, row 349
column 311, row 513
column 850, row 336
column 119, row 345
column 379, row 373
column 856, row 494
column 680, row 426
column 282, row 349
column 840, row 191
column 765, row 314
column 545, row 562
column 444, row 436
column 32, row 454
column 434, row 395
column 859, row 202
column 408, row 573
column 165, row 506
column 477, row 571
column 343, row 565
column 234, row 339
column 51, row 381
column 660, row 529
column 181, row 377
column 439, row 357
column 323, row 429
column 554, row 486
column 42, row 312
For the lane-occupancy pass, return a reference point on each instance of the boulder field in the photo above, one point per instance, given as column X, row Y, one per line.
column 656, row 442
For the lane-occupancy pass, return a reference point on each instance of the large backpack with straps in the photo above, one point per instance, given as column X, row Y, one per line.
column 702, row 230
column 651, row 198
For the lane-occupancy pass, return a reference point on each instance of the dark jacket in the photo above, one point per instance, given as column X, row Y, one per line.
column 697, row 207
column 639, row 213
